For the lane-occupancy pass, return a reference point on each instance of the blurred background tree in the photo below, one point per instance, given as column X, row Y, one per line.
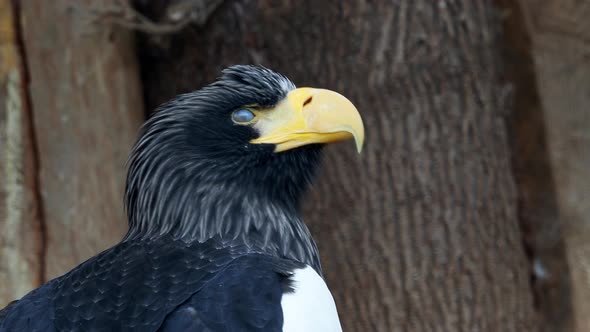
column 467, row 210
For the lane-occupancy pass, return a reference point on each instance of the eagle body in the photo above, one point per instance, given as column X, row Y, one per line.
column 215, row 240
column 173, row 285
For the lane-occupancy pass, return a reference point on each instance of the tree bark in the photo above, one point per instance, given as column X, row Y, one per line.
column 87, row 109
column 420, row 232
column 537, row 187
column 21, row 238
column 560, row 33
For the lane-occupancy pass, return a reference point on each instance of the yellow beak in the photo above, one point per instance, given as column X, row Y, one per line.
column 308, row 116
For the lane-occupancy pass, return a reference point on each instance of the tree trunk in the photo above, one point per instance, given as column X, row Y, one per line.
column 420, row 232
column 537, row 186
column 560, row 32
column 85, row 109
column 21, row 237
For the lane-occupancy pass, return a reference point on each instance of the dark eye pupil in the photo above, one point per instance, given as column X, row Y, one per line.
column 243, row 115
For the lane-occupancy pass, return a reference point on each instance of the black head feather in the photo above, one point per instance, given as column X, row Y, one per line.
column 193, row 173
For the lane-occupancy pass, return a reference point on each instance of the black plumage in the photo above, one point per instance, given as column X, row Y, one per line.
column 194, row 175
column 214, row 226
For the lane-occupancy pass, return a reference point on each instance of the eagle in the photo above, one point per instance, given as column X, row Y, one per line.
column 216, row 241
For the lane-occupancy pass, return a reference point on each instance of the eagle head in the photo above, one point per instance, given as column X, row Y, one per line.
column 233, row 160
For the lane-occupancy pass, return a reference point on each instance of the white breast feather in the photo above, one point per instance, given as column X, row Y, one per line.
column 311, row 307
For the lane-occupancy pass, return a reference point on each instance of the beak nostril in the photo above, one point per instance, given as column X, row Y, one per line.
column 307, row 101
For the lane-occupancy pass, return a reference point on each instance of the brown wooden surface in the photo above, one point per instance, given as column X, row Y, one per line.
column 21, row 238
column 538, row 208
column 420, row 232
column 87, row 109
column 560, row 33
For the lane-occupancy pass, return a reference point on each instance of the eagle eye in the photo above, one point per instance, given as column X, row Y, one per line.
column 243, row 116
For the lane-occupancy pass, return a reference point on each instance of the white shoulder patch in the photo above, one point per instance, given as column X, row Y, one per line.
column 311, row 306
